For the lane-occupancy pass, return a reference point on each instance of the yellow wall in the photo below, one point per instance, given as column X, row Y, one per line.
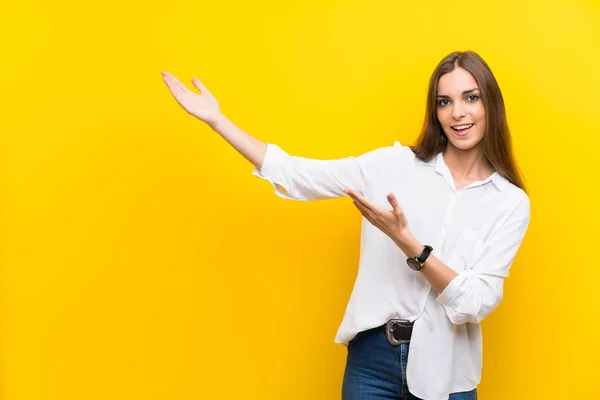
column 143, row 261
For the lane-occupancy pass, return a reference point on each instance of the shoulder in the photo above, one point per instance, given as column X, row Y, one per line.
column 516, row 198
column 391, row 154
column 402, row 148
column 403, row 154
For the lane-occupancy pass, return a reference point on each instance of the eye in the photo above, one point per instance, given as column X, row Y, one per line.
column 441, row 102
column 474, row 96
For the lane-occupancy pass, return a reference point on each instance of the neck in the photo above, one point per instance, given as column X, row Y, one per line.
column 467, row 164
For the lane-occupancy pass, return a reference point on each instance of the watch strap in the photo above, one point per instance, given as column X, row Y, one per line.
column 424, row 254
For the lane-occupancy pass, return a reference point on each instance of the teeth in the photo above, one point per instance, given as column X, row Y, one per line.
column 461, row 127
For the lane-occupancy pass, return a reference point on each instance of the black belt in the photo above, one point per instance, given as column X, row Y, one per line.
column 397, row 331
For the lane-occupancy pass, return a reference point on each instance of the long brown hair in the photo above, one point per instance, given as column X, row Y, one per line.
column 497, row 143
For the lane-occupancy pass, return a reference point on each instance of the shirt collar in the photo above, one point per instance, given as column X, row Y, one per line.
column 440, row 166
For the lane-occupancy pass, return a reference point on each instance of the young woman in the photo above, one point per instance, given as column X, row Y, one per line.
column 444, row 222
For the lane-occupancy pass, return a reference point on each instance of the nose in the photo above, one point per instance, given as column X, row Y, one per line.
column 458, row 111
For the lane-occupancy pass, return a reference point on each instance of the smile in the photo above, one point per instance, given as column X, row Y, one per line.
column 462, row 130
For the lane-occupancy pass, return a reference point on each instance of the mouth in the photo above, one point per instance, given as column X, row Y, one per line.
column 462, row 130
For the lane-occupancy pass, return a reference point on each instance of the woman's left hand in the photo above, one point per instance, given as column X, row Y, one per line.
column 391, row 222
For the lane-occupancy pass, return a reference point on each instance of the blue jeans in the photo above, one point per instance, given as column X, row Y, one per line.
column 377, row 370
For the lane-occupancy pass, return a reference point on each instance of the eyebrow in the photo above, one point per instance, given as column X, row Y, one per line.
column 465, row 92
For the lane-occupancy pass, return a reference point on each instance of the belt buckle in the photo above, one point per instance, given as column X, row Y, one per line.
column 389, row 331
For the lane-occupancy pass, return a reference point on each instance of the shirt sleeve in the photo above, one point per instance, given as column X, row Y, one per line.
column 476, row 292
column 300, row 178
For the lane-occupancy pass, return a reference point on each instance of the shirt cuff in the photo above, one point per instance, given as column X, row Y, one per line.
column 272, row 170
column 452, row 291
column 271, row 166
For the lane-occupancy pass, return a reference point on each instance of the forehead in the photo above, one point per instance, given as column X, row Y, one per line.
column 456, row 81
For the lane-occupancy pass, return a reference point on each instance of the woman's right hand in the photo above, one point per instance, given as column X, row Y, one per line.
column 203, row 106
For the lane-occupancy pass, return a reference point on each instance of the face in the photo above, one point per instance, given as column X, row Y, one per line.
column 459, row 106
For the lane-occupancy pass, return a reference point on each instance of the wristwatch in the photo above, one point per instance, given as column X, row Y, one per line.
column 417, row 262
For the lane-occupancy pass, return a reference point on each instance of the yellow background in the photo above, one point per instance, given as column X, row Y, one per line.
column 141, row 260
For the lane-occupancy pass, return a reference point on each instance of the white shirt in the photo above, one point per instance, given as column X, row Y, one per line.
column 476, row 231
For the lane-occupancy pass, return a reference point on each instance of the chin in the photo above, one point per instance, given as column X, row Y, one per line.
column 463, row 145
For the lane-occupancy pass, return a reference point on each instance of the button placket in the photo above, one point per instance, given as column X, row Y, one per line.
column 447, row 219
column 449, row 211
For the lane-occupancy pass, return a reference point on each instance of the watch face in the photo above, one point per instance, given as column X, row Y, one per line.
column 414, row 264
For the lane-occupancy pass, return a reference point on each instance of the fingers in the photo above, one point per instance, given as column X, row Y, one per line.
column 358, row 198
column 177, row 83
column 360, row 204
column 392, row 199
column 199, row 85
column 169, row 80
column 173, row 83
column 394, row 202
column 363, row 211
